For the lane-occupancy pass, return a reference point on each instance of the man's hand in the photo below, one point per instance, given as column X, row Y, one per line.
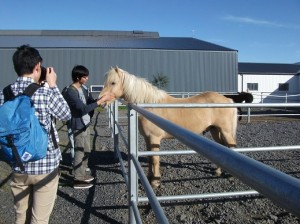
column 105, row 99
column 51, row 77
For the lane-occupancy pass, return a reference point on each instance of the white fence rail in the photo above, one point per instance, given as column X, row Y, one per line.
column 258, row 97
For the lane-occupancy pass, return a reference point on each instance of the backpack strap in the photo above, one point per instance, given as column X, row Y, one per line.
column 10, row 141
column 8, row 93
column 73, row 87
column 53, row 136
column 30, row 90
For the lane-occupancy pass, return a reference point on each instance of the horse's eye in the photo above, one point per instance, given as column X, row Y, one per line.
column 113, row 83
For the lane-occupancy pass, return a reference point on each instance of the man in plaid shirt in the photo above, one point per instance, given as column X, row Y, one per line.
column 34, row 190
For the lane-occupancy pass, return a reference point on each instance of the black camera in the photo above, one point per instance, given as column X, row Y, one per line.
column 43, row 74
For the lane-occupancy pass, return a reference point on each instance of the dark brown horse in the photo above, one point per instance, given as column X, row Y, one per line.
column 241, row 97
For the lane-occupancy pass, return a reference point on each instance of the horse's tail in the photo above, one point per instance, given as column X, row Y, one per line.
column 234, row 120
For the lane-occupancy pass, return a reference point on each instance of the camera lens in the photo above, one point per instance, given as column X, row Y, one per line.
column 43, row 74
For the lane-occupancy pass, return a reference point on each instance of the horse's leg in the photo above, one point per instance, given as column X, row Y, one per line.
column 150, row 173
column 224, row 137
column 228, row 138
column 240, row 112
column 154, row 175
column 216, row 135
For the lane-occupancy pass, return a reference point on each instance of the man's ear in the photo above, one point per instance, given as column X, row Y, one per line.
column 37, row 67
column 36, row 72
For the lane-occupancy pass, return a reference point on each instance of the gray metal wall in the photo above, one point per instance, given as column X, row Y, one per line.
column 192, row 71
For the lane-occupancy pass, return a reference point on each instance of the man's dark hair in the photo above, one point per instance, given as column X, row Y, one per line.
column 25, row 59
column 79, row 71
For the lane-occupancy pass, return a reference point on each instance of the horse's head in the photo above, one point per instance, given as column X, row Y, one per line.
column 113, row 84
column 247, row 97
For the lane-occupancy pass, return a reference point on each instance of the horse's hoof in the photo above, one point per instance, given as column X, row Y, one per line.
column 155, row 182
column 218, row 172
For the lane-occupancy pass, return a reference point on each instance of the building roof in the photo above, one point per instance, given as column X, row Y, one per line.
column 268, row 68
column 102, row 39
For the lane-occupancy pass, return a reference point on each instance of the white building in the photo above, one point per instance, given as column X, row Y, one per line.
column 270, row 83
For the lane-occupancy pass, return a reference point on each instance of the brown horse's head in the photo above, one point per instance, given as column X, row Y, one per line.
column 113, row 84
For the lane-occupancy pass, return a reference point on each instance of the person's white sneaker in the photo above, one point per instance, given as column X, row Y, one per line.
column 85, row 179
column 80, row 185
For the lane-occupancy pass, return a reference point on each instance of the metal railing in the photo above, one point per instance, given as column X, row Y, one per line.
column 279, row 97
column 273, row 184
column 258, row 97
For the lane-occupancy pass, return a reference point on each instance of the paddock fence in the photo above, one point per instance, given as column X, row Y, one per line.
column 280, row 97
column 258, row 97
column 260, row 177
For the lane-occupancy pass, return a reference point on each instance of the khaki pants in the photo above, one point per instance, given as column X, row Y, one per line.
column 82, row 152
column 34, row 196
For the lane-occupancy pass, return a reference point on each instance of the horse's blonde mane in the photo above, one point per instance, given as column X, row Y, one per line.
column 139, row 90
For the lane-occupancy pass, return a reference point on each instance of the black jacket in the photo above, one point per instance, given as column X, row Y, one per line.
column 77, row 107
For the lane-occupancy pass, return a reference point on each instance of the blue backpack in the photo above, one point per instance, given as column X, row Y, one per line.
column 22, row 138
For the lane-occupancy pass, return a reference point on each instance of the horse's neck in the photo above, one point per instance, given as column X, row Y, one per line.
column 137, row 90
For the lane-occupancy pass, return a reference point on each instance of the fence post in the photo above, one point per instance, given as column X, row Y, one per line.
column 116, row 130
column 286, row 99
column 132, row 173
column 248, row 114
column 110, row 117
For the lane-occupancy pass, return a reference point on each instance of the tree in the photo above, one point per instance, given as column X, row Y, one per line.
column 160, row 80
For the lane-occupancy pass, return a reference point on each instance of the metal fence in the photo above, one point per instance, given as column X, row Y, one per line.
column 258, row 97
column 257, row 175
column 279, row 97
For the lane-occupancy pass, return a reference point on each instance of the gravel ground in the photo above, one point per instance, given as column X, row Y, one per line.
column 186, row 174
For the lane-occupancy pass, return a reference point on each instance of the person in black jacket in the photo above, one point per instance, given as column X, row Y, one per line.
column 82, row 107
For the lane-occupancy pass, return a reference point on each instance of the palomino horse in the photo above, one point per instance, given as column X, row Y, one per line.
column 221, row 122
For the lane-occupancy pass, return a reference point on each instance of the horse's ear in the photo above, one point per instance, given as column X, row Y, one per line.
column 117, row 69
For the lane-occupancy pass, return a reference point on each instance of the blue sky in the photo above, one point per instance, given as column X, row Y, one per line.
column 261, row 30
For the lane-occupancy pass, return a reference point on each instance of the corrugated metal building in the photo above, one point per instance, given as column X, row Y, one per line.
column 270, row 82
column 190, row 64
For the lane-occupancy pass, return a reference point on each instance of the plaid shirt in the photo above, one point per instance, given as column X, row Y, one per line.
column 47, row 102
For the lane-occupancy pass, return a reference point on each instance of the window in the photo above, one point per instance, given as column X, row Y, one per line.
column 252, row 86
column 96, row 88
column 283, row 87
